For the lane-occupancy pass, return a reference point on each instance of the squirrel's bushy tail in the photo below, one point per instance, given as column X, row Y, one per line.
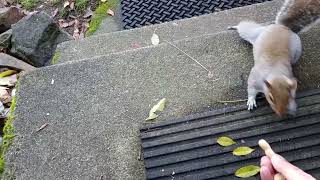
column 299, row 15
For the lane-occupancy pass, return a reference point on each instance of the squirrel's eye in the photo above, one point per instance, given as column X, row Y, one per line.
column 271, row 97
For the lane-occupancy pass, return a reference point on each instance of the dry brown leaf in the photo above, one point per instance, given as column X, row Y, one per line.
column 9, row 80
column 3, row 88
column 13, row 92
column 85, row 26
column 1, row 108
column 72, row 5
column 64, row 24
column 73, row 17
column 76, row 32
column 54, row 13
column 110, row 12
column 4, row 96
column 66, row 4
column 71, row 23
column 89, row 13
column 42, row 127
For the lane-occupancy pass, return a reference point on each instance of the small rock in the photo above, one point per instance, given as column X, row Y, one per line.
column 9, row 61
column 8, row 17
column 2, row 3
column 43, row 36
column 5, row 39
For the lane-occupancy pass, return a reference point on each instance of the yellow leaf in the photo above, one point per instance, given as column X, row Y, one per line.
column 225, row 141
column 247, row 171
column 103, row 1
column 152, row 116
column 159, row 107
column 242, row 151
column 7, row 73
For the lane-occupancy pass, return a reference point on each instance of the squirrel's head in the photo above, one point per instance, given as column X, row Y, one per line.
column 278, row 93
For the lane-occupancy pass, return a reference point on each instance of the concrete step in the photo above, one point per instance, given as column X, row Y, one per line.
column 171, row 31
column 95, row 107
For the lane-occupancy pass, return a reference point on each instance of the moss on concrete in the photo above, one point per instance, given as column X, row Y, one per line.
column 8, row 134
column 55, row 57
column 100, row 14
column 28, row 4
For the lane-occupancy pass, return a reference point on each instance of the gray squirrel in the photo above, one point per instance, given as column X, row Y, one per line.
column 276, row 48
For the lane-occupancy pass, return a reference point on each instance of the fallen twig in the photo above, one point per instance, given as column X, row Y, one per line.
column 233, row 101
column 209, row 72
column 42, row 127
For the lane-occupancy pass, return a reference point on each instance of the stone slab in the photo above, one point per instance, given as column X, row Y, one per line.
column 170, row 31
column 95, row 106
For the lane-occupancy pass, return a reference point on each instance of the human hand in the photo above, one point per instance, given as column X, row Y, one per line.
column 277, row 164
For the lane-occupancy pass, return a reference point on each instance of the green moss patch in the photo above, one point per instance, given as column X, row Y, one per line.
column 8, row 134
column 81, row 5
column 100, row 14
column 28, row 4
column 56, row 57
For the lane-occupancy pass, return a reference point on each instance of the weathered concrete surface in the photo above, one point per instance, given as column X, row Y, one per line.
column 176, row 30
column 10, row 61
column 96, row 106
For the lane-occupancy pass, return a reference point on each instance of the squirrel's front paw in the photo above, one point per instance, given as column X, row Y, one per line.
column 251, row 103
column 292, row 108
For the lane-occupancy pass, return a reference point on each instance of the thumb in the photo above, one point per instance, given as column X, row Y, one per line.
column 288, row 170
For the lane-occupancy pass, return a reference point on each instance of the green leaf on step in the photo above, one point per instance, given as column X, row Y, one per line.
column 159, row 107
column 242, row 151
column 7, row 73
column 225, row 141
column 247, row 171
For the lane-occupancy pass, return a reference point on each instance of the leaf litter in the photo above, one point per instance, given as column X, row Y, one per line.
column 8, row 79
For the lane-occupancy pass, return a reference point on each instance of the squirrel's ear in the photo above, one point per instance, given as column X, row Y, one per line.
column 267, row 84
column 293, row 84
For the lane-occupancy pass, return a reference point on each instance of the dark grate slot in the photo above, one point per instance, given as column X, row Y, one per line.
column 137, row 13
column 188, row 147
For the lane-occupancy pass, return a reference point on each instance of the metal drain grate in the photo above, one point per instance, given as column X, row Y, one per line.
column 137, row 13
column 186, row 148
